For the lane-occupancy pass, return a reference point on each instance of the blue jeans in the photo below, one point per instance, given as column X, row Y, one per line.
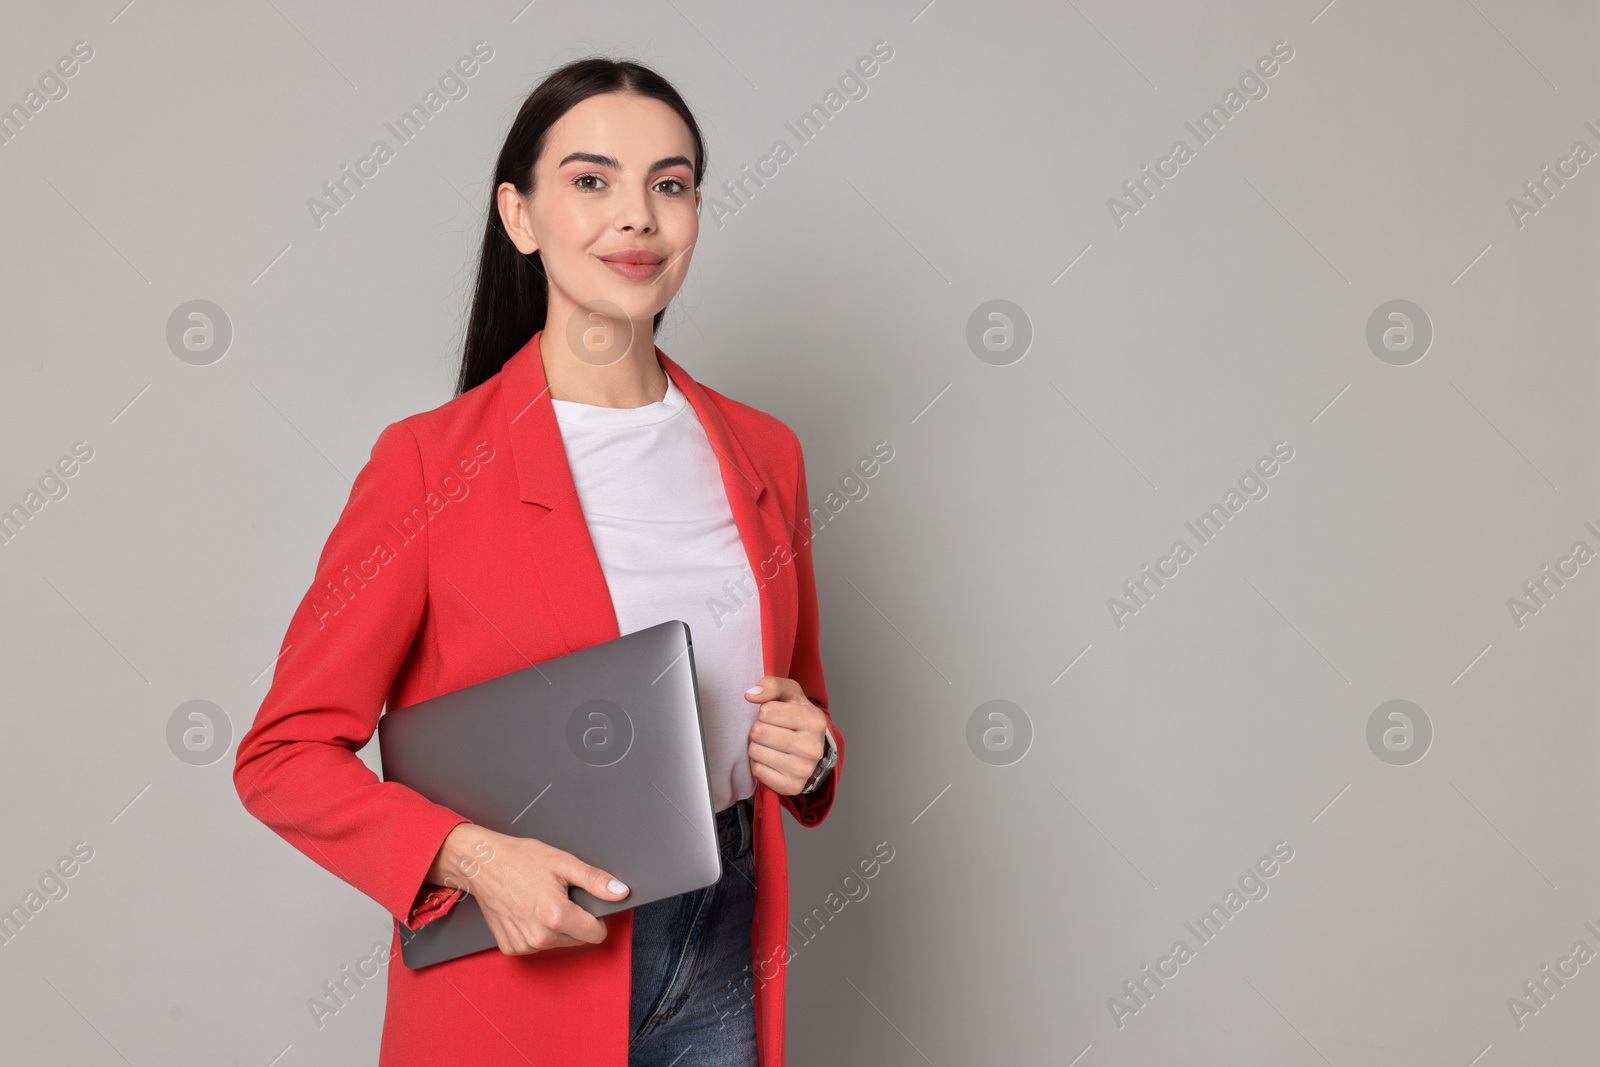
column 692, row 1002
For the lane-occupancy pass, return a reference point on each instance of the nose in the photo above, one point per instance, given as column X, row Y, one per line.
column 634, row 214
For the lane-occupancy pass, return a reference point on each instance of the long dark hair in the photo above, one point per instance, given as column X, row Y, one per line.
column 512, row 295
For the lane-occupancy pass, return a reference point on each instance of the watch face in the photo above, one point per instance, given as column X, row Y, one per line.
column 816, row 776
column 830, row 756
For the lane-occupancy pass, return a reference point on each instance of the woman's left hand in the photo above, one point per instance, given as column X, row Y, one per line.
column 786, row 740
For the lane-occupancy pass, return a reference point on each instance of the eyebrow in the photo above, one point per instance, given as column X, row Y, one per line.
column 610, row 161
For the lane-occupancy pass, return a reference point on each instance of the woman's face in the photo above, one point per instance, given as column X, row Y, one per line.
column 615, row 175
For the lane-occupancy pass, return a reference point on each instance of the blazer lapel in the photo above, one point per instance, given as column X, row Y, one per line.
column 557, row 535
column 760, row 522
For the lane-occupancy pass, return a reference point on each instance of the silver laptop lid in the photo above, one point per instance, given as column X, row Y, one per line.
column 600, row 753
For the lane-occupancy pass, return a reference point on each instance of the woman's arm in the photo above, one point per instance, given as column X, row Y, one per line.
column 296, row 769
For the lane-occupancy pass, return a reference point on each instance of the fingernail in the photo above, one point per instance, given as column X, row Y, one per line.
column 753, row 690
column 616, row 886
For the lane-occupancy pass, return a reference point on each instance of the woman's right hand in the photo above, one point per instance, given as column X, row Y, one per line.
column 521, row 886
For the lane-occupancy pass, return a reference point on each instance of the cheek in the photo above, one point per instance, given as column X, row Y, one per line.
column 569, row 233
column 690, row 220
column 565, row 250
column 686, row 228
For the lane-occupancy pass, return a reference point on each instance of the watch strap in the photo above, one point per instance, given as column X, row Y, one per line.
column 825, row 764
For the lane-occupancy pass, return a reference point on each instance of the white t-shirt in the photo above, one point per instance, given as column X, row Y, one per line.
column 651, row 491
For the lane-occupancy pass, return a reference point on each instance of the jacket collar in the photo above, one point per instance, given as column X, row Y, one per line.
column 543, row 474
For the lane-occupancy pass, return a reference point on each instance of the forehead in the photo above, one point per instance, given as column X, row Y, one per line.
column 635, row 130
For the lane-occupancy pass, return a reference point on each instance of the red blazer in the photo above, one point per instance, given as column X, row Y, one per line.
column 463, row 554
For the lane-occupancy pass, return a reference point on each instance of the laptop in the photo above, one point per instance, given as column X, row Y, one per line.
column 600, row 753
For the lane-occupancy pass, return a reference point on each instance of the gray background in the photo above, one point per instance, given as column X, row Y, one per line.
column 1166, row 755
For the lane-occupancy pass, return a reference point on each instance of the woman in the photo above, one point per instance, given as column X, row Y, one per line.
column 580, row 485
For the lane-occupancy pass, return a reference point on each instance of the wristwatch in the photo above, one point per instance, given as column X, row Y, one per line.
column 830, row 756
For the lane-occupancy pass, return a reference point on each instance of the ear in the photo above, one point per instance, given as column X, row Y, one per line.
column 513, row 218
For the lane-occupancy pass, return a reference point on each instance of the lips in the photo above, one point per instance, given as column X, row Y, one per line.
column 634, row 264
column 638, row 256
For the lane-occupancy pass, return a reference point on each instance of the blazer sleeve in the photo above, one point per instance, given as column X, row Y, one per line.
column 296, row 768
column 805, row 665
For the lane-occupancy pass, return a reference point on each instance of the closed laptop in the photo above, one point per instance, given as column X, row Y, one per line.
column 600, row 753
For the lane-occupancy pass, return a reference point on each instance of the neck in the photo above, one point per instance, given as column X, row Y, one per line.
column 607, row 375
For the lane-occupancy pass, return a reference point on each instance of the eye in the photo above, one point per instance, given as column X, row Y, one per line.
column 681, row 187
column 580, row 179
